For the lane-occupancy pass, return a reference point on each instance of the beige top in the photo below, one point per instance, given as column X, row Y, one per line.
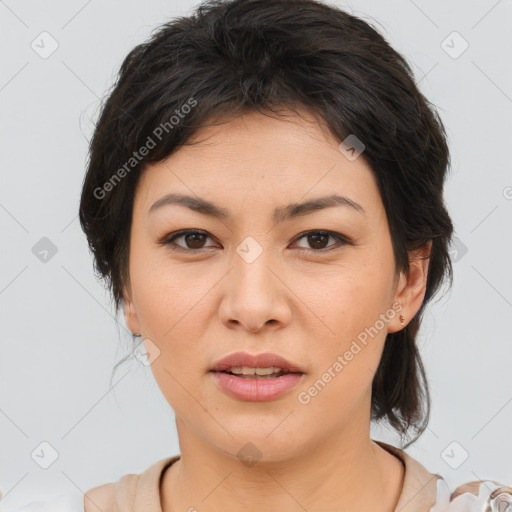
column 422, row 491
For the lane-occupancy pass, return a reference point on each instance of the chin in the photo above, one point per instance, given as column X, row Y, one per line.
column 266, row 443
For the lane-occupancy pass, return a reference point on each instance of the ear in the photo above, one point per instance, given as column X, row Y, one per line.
column 411, row 288
column 130, row 313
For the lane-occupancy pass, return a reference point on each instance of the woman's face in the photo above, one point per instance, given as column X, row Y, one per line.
column 255, row 282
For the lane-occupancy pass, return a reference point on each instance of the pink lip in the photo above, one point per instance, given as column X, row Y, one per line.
column 257, row 390
column 264, row 360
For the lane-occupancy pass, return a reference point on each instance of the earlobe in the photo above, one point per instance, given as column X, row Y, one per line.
column 130, row 313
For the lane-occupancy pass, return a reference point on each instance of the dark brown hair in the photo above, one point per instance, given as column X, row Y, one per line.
column 231, row 56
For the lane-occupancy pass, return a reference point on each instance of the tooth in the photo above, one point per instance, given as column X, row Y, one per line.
column 246, row 370
column 237, row 371
column 265, row 371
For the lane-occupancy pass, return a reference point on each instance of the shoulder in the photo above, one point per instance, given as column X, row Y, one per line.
column 122, row 494
column 113, row 496
column 429, row 492
column 100, row 499
column 473, row 496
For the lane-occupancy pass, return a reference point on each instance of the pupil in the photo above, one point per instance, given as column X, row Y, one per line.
column 314, row 244
column 196, row 235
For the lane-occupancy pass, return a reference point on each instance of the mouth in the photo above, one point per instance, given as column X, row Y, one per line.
column 256, row 378
column 247, row 372
column 245, row 365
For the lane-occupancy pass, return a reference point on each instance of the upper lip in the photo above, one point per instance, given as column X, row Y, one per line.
column 265, row 360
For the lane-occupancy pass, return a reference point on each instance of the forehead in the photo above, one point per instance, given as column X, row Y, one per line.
column 254, row 159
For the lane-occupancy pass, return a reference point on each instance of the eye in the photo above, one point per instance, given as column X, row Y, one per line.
column 194, row 240
column 318, row 238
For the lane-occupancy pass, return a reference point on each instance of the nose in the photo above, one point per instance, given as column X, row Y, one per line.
column 255, row 296
column 257, row 329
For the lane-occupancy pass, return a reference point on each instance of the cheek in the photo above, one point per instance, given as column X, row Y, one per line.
column 171, row 308
column 167, row 294
column 346, row 361
column 351, row 305
column 172, row 316
column 349, row 299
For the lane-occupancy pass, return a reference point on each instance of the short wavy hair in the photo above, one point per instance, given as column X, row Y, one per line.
column 229, row 57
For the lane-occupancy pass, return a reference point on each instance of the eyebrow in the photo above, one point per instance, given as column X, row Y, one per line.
column 281, row 214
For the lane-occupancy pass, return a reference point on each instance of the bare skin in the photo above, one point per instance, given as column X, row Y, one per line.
column 320, row 293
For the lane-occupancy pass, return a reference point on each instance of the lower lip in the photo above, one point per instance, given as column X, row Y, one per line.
column 257, row 390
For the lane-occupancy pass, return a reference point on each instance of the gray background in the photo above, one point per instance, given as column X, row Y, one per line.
column 59, row 340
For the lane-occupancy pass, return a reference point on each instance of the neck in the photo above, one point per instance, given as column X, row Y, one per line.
column 349, row 472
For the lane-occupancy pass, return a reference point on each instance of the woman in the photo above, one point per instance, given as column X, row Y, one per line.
column 264, row 197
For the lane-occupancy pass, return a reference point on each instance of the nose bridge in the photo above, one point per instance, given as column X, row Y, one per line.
column 254, row 294
column 251, row 275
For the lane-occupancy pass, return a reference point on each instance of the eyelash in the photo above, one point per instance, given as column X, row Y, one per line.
column 169, row 240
